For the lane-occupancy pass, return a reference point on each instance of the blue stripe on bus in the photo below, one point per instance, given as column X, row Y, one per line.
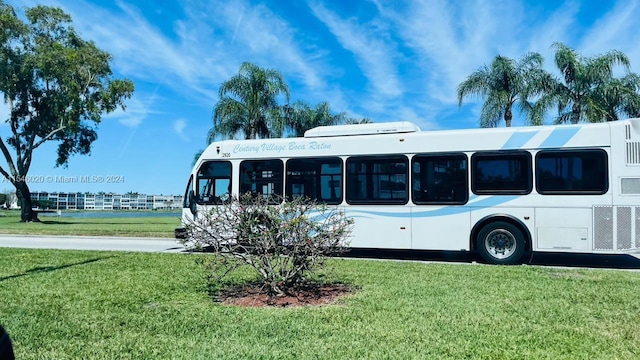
column 444, row 211
column 518, row 139
column 559, row 137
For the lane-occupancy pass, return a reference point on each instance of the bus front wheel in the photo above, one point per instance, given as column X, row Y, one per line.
column 500, row 243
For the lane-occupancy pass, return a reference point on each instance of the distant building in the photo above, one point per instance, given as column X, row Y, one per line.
column 106, row 201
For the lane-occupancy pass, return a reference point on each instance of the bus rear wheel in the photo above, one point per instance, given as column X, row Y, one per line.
column 500, row 243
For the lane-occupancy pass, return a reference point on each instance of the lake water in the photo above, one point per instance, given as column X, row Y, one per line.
column 112, row 214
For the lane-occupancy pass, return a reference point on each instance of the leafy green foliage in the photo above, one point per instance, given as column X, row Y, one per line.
column 301, row 117
column 57, row 86
column 588, row 90
column 505, row 83
column 283, row 244
column 249, row 104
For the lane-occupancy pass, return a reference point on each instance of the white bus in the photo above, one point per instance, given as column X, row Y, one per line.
column 499, row 193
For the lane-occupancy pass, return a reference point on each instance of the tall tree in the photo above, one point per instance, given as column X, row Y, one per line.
column 301, row 117
column 615, row 97
column 57, row 86
column 351, row 121
column 506, row 83
column 249, row 104
column 630, row 105
column 587, row 89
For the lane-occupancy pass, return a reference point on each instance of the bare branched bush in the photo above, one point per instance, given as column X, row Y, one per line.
column 284, row 243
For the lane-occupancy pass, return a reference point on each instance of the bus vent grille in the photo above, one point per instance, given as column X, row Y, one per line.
column 614, row 227
column 603, row 228
column 633, row 153
column 623, row 227
column 638, row 227
column 630, row 186
column 627, row 132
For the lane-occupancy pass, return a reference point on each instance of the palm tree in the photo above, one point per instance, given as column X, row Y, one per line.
column 588, row 90
column 302, row 117
column 248, row 104
column 618, row 97
column 631, row 102
column 505, row 84
column 350, row 121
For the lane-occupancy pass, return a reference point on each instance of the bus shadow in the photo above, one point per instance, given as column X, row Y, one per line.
column 586, row 260
column 394, row 254
column 540, row 259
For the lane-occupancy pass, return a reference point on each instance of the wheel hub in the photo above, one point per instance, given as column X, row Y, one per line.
column 500, row 243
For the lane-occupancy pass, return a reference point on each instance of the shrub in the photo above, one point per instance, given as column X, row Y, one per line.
column 284, row 243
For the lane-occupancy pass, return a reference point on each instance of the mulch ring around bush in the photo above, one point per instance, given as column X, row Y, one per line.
column 253, row 295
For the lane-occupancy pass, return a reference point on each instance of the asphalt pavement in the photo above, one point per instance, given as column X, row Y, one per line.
column 107, row 243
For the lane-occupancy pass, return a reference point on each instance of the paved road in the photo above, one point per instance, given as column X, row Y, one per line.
column 91, row 243
column 172, row 246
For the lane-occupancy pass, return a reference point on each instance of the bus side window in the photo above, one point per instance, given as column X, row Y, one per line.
column 378, row 179
column 315, row 178
column 439, row 179
column 501, row 173
column 262, row 178
column 561, row 172
column 213, row 181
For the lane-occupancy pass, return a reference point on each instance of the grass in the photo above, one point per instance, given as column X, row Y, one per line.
column 105, row 305
column 113, row 226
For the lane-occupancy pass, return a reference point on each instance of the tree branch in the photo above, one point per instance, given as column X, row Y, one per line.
column 7, row 156
column 47, row 137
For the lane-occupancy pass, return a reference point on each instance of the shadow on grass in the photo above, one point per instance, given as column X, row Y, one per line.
column 55, row 222
column 45, row 269
column 396, row 254
column 543, row 259
column 586, row 260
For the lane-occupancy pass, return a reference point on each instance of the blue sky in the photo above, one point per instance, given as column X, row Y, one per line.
column 384, row 60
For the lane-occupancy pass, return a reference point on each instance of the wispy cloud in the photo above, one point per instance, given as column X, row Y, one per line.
column 135, row 113
column 178, row 127
column 451, row 39
column 143, row 51
column 260, row 34
column 410, row 55
column 374, row 56
column 616, row 29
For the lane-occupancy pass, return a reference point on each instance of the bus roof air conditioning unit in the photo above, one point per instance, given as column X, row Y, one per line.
column 362, row 129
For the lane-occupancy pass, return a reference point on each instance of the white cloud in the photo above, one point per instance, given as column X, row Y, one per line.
column 135, row 113
column 373, row 55
column 257, row 32
column 203, row 49
column 617, row 29
column 178, row 127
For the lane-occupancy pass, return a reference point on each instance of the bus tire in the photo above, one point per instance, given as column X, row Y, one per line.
column 500, row 243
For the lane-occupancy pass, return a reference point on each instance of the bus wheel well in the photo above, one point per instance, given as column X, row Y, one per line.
column 494, row 218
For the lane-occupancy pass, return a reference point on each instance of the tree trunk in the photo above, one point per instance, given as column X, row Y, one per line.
column 576, row 110
column 24, row 197
column 508, row 115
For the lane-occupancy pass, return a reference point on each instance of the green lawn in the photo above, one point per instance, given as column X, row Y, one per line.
column 113, row 226
column 114, row 305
